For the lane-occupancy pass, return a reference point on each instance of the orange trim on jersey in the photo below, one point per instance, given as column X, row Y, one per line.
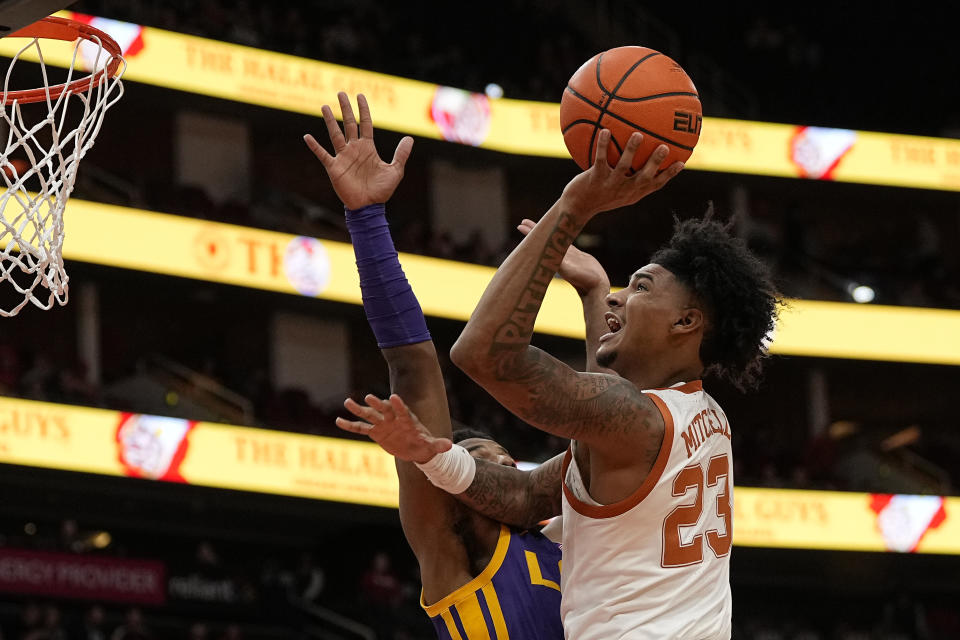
column 687, row 387
column 618, row 508
column 503, row 542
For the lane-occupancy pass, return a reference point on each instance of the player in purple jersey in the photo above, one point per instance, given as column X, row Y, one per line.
column 481, row 578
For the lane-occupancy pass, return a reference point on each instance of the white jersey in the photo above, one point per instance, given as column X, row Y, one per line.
column 657, row 564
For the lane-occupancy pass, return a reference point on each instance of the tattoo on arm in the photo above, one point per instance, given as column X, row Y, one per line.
column 567, row 402
column 518, row 328
column 516, row 497
column 556, row 395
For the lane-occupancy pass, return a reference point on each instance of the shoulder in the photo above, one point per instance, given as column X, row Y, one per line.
column 464, row 587
column 673, row 402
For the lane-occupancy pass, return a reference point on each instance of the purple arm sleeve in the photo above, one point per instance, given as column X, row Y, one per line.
column 392, row 309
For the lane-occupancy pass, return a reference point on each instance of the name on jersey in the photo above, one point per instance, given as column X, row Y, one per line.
column 704, row 425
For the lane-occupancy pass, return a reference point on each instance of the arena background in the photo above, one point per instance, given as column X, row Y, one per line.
column 246, row 521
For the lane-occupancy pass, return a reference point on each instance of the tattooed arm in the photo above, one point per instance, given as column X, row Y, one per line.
column 505, row 494
column 514, row 497
column 587, row 276
column 604, row 411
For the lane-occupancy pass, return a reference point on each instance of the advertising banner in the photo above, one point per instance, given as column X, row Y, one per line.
column 62, row 575
column 41, row 434
column 255, row 76
column 53, row 436
column 298, row 265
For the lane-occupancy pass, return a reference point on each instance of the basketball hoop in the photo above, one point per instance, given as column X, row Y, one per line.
column 45, row 150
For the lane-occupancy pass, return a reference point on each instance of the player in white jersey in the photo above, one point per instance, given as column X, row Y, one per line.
column 658, row 560
column 646, row 486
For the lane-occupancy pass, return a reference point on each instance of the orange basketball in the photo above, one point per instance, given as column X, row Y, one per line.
column 630, row 89
column 15, row 166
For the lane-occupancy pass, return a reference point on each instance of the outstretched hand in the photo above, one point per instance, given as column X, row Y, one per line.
column 579, row 268
column 392, row 425
column 359, row 176
column 603, row 188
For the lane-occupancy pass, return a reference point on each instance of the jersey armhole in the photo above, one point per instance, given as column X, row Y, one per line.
column 477, row 583
column 619, row 508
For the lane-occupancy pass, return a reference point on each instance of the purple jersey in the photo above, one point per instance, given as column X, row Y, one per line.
column 516, row 597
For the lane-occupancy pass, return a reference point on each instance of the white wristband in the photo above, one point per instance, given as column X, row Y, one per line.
column 452, row 470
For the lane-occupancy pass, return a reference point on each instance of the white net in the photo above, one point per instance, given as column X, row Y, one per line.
column 46, row 137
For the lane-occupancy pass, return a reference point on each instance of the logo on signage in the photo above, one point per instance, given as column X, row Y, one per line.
column 903, row 520
column 153, row 446
column 212, row 249
column 817, row 151
column 461, row 116
column 307, row 266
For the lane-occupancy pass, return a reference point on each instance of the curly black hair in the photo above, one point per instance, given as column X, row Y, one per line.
column 736, row 289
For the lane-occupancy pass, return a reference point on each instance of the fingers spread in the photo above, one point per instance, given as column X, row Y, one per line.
column 354, row 426
column 366, row 122
column 403, row 152
column 399, row 406
column 333, row 129
column 317, row 150
column 376, row 402
column 361, row 411
column 349, row 122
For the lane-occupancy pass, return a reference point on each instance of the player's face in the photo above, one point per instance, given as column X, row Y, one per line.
column 640, row 318
column 484, row 449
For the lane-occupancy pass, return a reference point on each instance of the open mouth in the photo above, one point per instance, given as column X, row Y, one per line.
column 613, row 322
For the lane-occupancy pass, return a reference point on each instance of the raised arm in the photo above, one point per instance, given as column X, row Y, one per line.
column 364, row 183
column 602, row 410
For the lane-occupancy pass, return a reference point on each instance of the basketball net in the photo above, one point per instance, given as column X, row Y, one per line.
column 44, row 144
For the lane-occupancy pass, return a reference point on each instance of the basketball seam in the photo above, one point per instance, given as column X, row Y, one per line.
column 623, row 120
column 660, row 95
column 650, row 97
column 603, row 108
column 628, row 72
column 576, row 122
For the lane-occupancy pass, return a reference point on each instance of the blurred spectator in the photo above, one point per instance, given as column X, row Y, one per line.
column 132, row 627
column 91, row 627
column 380, row 585
column 49, row 627
column 70, row 539
column 31, row 621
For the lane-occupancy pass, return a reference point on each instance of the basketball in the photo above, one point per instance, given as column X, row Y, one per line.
column 15, row 168
column 629, row 89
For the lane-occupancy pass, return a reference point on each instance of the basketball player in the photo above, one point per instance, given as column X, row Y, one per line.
column 647, row 484
column 481, row 579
